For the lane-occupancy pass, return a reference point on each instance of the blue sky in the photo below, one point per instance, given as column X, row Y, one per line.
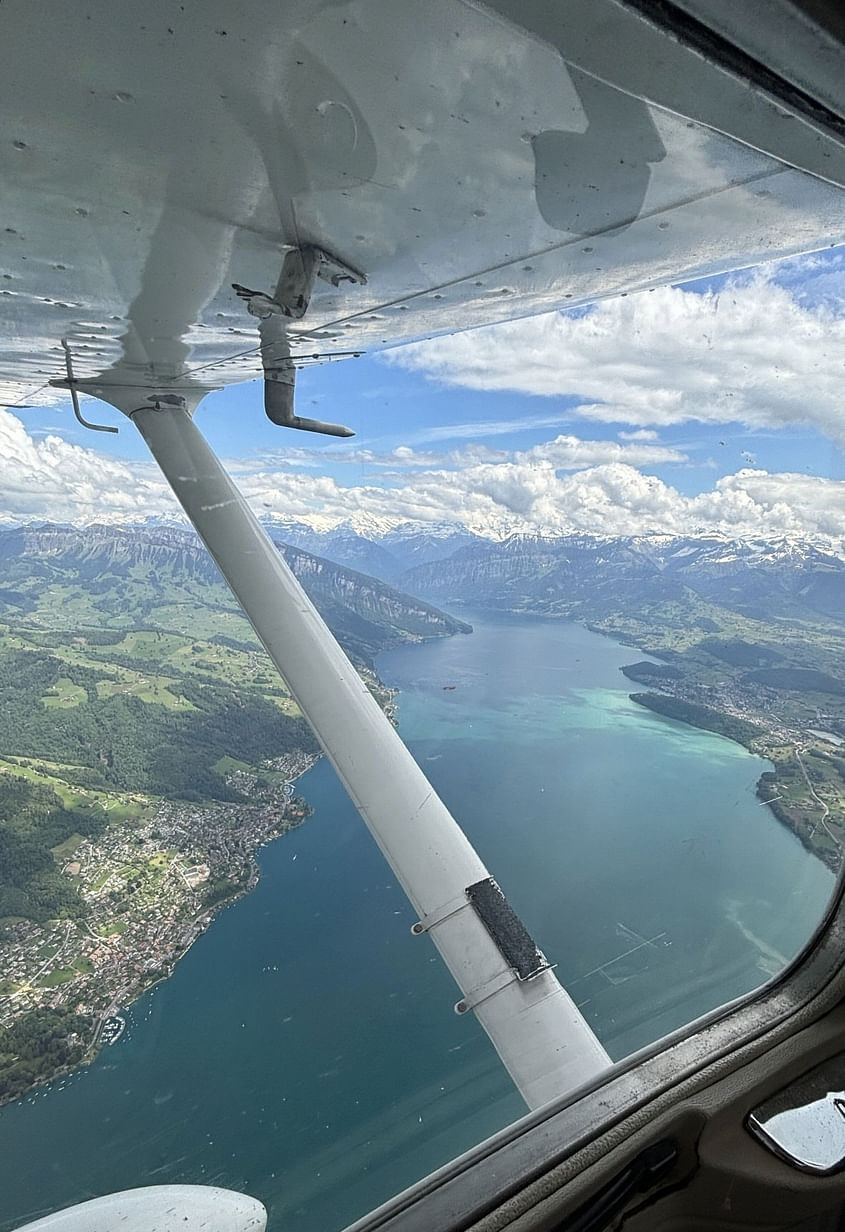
column 718, row 405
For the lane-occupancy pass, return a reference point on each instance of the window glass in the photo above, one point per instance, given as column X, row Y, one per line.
column 626, row 680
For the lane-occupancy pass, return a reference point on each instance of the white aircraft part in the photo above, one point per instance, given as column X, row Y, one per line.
column 159, row 1208
column 544, row 1042
column 473, row 169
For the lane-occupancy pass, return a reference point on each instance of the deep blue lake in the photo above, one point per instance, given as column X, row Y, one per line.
column 306, row 1049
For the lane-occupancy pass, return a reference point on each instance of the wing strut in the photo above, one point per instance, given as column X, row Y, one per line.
column 545, row 1044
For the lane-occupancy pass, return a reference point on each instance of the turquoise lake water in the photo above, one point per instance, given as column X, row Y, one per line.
column 306, row 1049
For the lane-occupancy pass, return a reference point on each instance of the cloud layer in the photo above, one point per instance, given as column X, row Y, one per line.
column 561, row 486
column 54, row 480
column 752, row 353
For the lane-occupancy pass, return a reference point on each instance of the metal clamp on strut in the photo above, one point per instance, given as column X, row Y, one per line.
column 289, row 301
column 427, row 922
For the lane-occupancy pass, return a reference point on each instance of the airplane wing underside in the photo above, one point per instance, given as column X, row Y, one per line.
column 471, row 169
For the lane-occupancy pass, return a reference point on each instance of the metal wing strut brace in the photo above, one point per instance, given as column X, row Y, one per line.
column 545, row 1044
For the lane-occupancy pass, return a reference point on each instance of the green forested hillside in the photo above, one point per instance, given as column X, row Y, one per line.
column 32, row 822
column 127, row 742
column 166, row 705
column 103, row 579
column 696, row 715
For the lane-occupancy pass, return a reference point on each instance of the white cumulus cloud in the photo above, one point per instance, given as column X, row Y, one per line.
column 639, row 434
column 51, row 479
column 563, row 485
column 753, row 353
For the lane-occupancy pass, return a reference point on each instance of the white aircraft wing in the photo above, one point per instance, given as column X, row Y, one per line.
column 473, row 163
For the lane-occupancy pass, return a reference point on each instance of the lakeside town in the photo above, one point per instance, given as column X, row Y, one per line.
column 150, row 885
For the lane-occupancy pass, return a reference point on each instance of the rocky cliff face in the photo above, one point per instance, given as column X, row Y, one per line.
column 90, row 550
column 368, row 597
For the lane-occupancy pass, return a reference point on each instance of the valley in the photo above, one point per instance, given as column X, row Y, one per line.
column 148, row 748
column 748, row 635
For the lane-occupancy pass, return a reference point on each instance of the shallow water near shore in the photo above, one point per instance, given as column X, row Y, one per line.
column 306, row 1049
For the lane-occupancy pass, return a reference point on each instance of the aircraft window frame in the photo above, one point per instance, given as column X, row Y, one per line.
column 657, row 1077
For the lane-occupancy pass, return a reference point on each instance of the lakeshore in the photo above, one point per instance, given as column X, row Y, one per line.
column 816, row 821
column 341, row 1073
column 150, row 889
column 154, row 885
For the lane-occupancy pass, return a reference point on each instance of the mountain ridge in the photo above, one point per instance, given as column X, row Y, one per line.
column 366, row 614
column 585, row 575
column 577, row 575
